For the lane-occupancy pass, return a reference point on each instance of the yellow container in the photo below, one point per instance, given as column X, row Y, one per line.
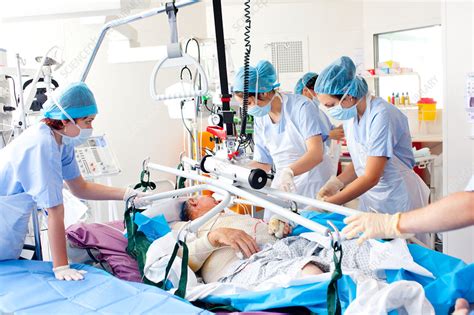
column 426, row 109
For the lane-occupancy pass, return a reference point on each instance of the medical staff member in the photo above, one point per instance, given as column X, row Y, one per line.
column 379, row 142
column 287, row 133
column 305, row 86
column 32, row 170
column 453, row 212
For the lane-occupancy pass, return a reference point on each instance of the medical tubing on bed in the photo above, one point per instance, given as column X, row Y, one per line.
column 220, row 185
column 311, row 202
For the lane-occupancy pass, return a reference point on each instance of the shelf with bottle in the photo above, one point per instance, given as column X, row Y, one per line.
column 408, row 107
column 399, row 99
column 375, row 76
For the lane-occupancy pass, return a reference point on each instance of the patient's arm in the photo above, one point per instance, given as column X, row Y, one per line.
column 237, row 239
column 452, row 212
column 199, row 250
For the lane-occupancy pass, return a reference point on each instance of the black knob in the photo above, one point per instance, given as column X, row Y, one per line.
column 257, row 178
column 8, row 108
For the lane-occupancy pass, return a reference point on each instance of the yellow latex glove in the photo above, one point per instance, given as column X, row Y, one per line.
column 332, row 187
column 373, row 225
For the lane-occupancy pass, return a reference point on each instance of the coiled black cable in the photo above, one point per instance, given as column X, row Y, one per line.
column 248, row 48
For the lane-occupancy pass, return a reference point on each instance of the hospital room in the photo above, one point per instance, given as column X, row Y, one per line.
column 237, row 157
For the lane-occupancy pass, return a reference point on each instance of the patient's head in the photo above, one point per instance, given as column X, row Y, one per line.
column 196, row 207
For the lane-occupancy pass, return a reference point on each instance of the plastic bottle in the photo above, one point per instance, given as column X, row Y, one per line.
column 397, row 99
column 407, row 99
column 389, row 99
column 402, row 101
column 393, row 99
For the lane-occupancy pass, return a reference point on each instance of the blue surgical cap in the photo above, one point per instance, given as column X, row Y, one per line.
column 340, row 78
column 303, row 81
column 264, row 72
column 76, row 99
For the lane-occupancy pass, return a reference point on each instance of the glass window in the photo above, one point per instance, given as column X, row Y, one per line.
column 419, row 49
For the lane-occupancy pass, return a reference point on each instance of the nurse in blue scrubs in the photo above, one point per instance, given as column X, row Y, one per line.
column 34, row 167
column 288, row 133
column 332, row 147
column 379, row 142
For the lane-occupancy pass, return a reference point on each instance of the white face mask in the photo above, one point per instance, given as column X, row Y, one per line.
column 83, row 135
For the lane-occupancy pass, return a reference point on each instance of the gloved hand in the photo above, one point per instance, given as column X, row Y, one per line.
column 332, row 187
column 137, row 201
column 285, row 178
column 373, row 225
column 278, row 226
column 68, row 274
column 336, row 134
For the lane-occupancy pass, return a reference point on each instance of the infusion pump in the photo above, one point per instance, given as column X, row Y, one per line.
column 96, row 159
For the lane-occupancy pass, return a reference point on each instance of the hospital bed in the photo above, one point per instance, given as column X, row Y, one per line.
column 19, row 279
column 451, row 279
column 29, row 287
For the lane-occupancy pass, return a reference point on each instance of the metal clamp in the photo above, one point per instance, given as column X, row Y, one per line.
column 335, row 235
column 145, row 165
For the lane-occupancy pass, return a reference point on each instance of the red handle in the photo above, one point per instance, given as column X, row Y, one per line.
column 217, row 131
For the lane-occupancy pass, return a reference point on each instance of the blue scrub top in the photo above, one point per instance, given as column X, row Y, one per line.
column 301, row 111
column 35, row 164
column 389, row 134
column 327, row 122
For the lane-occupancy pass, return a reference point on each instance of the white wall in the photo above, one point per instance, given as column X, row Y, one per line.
column 136, row 126
column 329, row 36
column 458, row 21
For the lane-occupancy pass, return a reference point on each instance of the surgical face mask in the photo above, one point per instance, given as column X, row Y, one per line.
column 340, row 113
column 260, row 111
column 83, row 135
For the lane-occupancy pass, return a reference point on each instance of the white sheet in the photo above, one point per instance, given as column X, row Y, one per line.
column 377, row 297
column 383, row 256
column 394, row 255
column 389, row 255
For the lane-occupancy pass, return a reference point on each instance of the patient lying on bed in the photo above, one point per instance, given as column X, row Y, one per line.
column 215, row 250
